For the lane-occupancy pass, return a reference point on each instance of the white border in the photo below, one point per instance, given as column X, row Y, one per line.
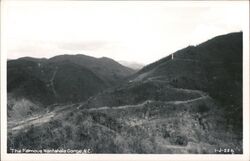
column 123, row 157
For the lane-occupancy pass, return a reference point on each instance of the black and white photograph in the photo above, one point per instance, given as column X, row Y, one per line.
column 125, row 77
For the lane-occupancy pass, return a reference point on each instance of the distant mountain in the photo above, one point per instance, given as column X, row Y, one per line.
column 132, row 65
column 62, row 79
column 107, row 69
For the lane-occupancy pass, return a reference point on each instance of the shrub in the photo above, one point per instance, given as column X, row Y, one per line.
column 202, row 108
column 166, row 134
column 179, row 140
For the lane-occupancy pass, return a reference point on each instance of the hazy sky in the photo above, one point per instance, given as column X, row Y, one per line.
column 133, row 31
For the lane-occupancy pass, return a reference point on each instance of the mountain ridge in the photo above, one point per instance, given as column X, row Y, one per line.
column 62, row 79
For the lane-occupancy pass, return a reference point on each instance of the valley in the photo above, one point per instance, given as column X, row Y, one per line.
column 188, row 104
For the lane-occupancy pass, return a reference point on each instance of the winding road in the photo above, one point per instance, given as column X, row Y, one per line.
column 44, row 118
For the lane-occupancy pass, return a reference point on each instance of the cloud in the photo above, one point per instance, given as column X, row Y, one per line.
column 91, row 45
column 31, row 48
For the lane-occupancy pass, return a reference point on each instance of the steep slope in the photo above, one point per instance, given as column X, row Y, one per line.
column 214, row 67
